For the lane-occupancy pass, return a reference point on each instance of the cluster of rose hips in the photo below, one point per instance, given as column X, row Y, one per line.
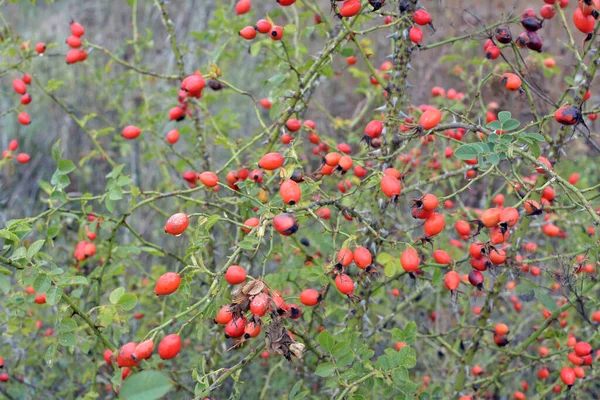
column 13, row 145
column 20, row 87
column 132, row 353
column 421, row 18
column 582, row 355
column 191, row 86
column 76, row 54
column 262, row 26
column 585, row 16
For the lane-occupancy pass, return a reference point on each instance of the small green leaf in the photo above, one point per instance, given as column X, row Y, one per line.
column 65, row 167
column 324, row 370
column 347, row 52
column 116, row 295
column 53, row 295
column 67, row 339
column 128, row 301
column 255, row 48
column 35, row 248
column 326, row 340
column 467, row 152
column 494, row 125
column 504, row 116
column 290, row 28
column 534, row 135
column 4, row 284
column 493, row 159
column 49, row 356
column 547, row 301
column 535, row 149
column 493, row 137
column 56, row 152
column 73, row 281
column 42, row 283
column 68, row 325
column 145, row 385
column 510, row 125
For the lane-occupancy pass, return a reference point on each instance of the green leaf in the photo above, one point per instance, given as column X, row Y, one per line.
column 53, row 295
column 53, row 85
column 4, row 284
column 535, row 149
column 547, row 301
column 67, row 339
column 277, row 79
column 68, row 325
column 410, row 333
column 65, row 166
column 56, row 152
column 326, row 340
column 534, row 135
column 116, row 295
column 510, row 125
column 128, row 301
column 19, row 253
column 290, row 28
column 324, row 370
column 493, row 159
column 467, row 152
column 213, row 219
column 42, row 283
column 294, row 395
column 49, row 356
column 493, row 137
column 504, row 116
column 73, row 281
column 347, row 52
column 116, row 171
column 255, row 48
column 35, row 248
column 494, row 125
column 145, row 385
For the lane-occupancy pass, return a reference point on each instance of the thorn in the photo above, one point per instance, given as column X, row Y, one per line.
column 392, row 36
column 382, row 108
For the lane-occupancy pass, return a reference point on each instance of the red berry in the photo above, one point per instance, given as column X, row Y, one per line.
column 271, row 161
column 285, row 224
column 310, row 297
column 77, row 29
column 235, row 328
column 276, row 33
column 169, row 347
column 248, row 33
column 23, row 158
column 73, row 42
column 421, row 17
column 263, row 26
column 242, row 7
column 124, row 358
column 131, row 132
column 173, row 136
column 235, row 274
column 177, row 224
column 19, row 86
column 167, row 284
column 40, row 48
column 344, row 284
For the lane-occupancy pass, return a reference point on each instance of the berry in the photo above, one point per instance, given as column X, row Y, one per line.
column 235, row 274
column 177, row 224
column 169, row 347
column 167, row 284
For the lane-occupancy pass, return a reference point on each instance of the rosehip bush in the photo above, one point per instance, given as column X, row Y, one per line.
column 346, row 200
